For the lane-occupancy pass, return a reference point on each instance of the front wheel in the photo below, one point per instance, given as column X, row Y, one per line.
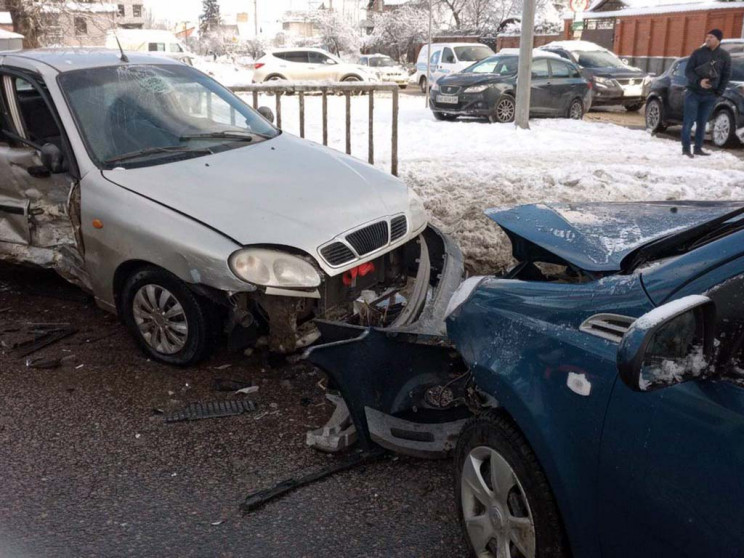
column 504, row 110
column 422, row 84
column 168, row 321
column 724, row 129
column 576, row 109
column 654, row 116
column 505, row 504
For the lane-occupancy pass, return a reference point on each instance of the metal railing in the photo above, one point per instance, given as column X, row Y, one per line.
column 348, row 89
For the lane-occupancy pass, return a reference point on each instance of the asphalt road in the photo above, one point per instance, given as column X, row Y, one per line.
column 89, row 468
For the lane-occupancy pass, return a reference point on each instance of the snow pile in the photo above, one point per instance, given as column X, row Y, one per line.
column 462, row 168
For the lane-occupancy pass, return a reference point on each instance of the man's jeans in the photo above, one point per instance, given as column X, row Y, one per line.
column 697, row 110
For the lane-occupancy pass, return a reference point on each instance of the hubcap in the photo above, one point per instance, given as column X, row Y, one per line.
column 653, row 115
column 160, row 319
column 721, row 129
column 497, row 515
column 576, row 111
column 505, row 111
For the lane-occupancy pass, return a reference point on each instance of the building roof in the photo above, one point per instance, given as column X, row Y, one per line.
column 69, row 59
column 670, row 8
column 9, row 35
column 81, row 7
column 5, row 18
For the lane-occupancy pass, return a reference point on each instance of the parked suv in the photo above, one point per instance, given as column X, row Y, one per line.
column 308, row 64
column 666, row 98
column 447, row 58
column 615, row 82
column 487, row 89
column 188, row 214
column 385, row 68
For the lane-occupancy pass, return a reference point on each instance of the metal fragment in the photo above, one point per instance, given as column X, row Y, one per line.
column 211, row 409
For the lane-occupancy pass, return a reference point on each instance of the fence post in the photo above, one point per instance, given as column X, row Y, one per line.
column 255, row 99
column 348, row 122
column 325, row 116
column 302, row 114
column 371, row 154
column 394, row 150
column 279, row 109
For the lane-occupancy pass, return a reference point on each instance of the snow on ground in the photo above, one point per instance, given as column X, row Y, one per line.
column 224, row 71
column 462, row 168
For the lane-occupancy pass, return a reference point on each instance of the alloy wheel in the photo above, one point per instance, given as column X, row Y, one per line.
column 653, row 115
column 160, row 319
column 496, row 512
column 577, row 110
column 505, row 110
column 721, row 129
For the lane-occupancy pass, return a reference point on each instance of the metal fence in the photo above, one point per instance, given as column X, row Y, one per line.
column 280, row 89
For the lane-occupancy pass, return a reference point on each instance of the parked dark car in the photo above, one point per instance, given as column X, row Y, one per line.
column 487, row 89
column 666, row 100
column 602, row 376
column 615, row 82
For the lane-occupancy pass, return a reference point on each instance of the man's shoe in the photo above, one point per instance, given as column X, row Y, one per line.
column 687, row 153
column 701, row 153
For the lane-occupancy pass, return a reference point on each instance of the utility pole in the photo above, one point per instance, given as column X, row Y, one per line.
column 524, row 77
column 255, row 17
column 428, row 59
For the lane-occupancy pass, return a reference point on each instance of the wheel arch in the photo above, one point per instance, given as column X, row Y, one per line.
column 351, row 75
column 122, row 273
column 274, row 76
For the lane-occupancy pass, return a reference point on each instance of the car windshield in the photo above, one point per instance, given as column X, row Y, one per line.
column 472, row 53
column 599, row 59
column 140, row 115
column 381, row 61
column 501, row 65
column 737, row 68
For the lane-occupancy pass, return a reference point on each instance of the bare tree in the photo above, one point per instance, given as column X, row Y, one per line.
column 396, row 32
column 54, row 22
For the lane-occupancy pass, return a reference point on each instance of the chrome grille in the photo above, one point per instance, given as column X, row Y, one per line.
column 369, row 238
column 337, row 253
column 449, row 90
column 398, row 227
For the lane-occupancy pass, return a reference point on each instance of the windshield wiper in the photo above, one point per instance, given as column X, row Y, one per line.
column 237, row 136
column 154, row 150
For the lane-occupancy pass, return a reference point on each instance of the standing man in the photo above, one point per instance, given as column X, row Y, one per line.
column 708, row 72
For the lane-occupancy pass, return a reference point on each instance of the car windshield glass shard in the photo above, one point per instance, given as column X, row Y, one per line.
column 155, row 151
column 599, row 59
column 128, row 109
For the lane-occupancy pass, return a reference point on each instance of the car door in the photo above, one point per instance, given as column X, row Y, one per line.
column 677, row 87
column 294, row 65
column 540, row 96
column 563, row 86
column 322, row 66
column 39, row 210
column 672, row 459
column 447, row 63
column 434, row 64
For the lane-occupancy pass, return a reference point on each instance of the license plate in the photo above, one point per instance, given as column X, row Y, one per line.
column 447, row 99
column 633, row 90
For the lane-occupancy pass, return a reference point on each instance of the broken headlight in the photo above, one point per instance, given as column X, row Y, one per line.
column 273, row 269
column 417, row 211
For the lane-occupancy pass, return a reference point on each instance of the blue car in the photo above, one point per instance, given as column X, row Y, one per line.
column 595, row 400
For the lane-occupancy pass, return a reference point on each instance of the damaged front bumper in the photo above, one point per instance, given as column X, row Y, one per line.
column 402, row 387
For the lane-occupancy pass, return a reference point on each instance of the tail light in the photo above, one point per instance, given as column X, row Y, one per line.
column 591, row 84
column 259, row 65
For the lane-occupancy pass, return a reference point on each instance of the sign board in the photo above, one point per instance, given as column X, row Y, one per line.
column 577, row 26
column 578, row 6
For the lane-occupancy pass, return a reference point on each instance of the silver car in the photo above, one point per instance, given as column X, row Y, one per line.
column 191, row 216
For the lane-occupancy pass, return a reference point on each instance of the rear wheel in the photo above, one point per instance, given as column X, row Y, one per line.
column 504, row 110
column 422, row 84
column 576, row 109
column 442, row 116
column 505, row 504
column 168, row 321
column 655, row 116
column 724, row 128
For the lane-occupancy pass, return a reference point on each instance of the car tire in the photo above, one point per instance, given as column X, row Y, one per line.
column 504, row 109
column 576, row 109
column 654, row 116
column 723, row 130
column 275, row 77
column 521, row 515
column 422, row 84
column 170, row 323
column 404, row 87
column 634, row 107
column 445, row 117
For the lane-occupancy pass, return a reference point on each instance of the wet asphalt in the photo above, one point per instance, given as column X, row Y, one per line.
column 88, row 466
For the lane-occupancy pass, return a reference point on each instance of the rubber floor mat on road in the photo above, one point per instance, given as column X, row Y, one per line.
column 211, row 409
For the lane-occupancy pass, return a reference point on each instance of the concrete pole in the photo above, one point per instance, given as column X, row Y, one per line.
column 524, row 77
column 428, row 59
column 255, row 17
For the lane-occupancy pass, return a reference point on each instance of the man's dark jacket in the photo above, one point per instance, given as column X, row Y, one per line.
column 712, row 64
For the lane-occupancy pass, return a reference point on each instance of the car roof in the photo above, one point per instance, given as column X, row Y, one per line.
column 575, row 46
column 299, row 49
column 535, row 54
column 70, row 59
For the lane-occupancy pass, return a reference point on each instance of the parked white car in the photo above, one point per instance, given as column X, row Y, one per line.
column 188, row 214
column 307, row 64
column 385, row 68
column 447, row 58
column 162, row 43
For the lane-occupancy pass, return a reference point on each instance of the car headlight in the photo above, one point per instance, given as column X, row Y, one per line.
column 270, row 268
column 477, row 89
column 417, row 211
column 435, row 86
column 605, row 82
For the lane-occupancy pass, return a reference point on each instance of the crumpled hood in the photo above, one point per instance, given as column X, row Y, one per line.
column 595, row 237
column 284, row 191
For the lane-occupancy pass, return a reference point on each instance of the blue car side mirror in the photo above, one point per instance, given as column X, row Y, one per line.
column 669, row 345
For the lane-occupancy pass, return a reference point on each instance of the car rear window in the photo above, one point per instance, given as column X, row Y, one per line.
column 296, row 56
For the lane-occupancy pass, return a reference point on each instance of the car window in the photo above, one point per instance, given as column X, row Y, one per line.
column 737, row 69
column 448, row 57
column 175, row 47
column 435, row 58
column 156, row 47
column 320, row 58
column 679, row 69
column 729, row 299
column 501, row 65
column 560, row 70
column 599, row 59
column 37, row 118
column 472, row 53
column 362, row 61
column 121, row 110
column 540, row 68
column 298, row 57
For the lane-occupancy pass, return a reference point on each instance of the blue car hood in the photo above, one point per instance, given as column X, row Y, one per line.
column 595, row 237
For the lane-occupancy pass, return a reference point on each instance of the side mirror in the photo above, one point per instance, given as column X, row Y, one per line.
column 669, row 345
column 52, row 158
column 267, row 113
